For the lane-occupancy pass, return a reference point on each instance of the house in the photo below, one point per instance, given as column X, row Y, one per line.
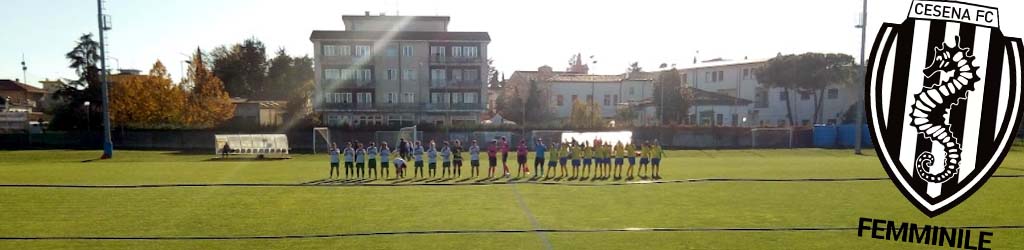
column 20, row 97
column 576, row 84
column 399, row 70
column 261, row 113
column 768, row 107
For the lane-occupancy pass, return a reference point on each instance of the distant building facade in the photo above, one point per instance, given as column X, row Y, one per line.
column 609, row 92
column 399, row 70
column 767, row 107
column 20, row 97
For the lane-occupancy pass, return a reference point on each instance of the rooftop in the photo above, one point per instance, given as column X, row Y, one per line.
column 395, row 18
column 404, row 35
column 723, row 63
column 9, row 85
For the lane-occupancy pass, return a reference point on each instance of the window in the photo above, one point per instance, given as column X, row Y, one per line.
column 470, row 97
column 783, row 95
column 456, row 51
column 348, row 74
column 746, row 73
column 409, row 74
column 615, row 99
column 332, row 74
column 330, row 50
column 407, row 50
column 805, row 96
column 559, row 100
column 391, row 51
column 457, row 75
column 761, row 97
column 392, row 74
column 631, row 92
column 408, row 97
column 365, row 97
column 457, row 98
column 721, row 76
column 833, row 93
column 362, row 50
column 344, row 50
column 435, row 97
column 469, row 51
column 392, row 97
column 719, row 119
column 684, row 78
column 366, row 75
column 607, row 100
column 437, row 51
column 707, row 76
column 346, row 97
column 437, row 77
column 471, row 75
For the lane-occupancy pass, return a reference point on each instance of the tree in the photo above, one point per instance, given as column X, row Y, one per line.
column 626, row 115
column 780, row 72
column 84, row 58
column 669, row 97
column 146, row 101
column 510, row 105
column 634, row 68
column 278, row 78
column 585, row 115
column 243, row 68
column 537, row 104
column 208, row 103
column 809, row 73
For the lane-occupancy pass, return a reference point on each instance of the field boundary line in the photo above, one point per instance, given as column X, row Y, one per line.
column 496, row 231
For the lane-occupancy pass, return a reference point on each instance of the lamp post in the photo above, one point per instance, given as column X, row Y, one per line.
column 860, row 90
column 108, row 144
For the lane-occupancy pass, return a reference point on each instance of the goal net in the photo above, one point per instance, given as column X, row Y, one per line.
column 393, row 137
column 771, row 137
column 322, row 136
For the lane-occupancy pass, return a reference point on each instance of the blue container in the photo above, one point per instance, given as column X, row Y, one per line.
column 824, row 136
column 866, row 141
column 848, row 136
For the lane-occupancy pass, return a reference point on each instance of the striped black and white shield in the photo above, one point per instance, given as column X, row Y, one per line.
column 944, row 98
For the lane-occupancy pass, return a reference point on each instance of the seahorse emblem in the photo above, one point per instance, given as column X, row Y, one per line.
column 932, row 105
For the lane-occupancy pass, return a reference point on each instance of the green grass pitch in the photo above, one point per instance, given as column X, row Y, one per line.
column 230, row 211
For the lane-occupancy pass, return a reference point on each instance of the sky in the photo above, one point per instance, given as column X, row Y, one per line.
column 525, row 34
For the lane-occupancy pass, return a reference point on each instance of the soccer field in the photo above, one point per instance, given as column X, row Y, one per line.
column 709, row 199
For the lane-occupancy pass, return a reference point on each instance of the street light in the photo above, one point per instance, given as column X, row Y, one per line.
column 860, row 100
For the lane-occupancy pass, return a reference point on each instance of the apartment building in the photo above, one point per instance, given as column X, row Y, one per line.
column 399, row 70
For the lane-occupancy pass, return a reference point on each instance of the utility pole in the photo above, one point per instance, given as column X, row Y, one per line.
column 108, row 144
column 860, row 100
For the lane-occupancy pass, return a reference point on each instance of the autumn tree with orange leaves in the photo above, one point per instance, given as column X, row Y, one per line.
column 208, row 105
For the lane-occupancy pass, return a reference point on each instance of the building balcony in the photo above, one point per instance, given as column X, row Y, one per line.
column 347, row 60
column 449, row 60
column 333, row 85
column 457, row 84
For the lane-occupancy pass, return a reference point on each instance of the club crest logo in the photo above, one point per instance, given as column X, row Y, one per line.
column 944, row 100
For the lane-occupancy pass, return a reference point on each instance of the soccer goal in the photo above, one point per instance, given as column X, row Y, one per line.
column 771, row 138
column 325, row 136
column 393, row 137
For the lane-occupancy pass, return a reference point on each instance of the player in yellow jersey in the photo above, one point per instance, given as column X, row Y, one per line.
column 563, row 151
column 631, row 154
column 577, row 157
column 656, row 154
column 588, row 154
column 620, row 154
column 645, row 159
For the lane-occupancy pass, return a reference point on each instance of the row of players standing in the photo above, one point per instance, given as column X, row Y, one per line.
column 359, row 158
